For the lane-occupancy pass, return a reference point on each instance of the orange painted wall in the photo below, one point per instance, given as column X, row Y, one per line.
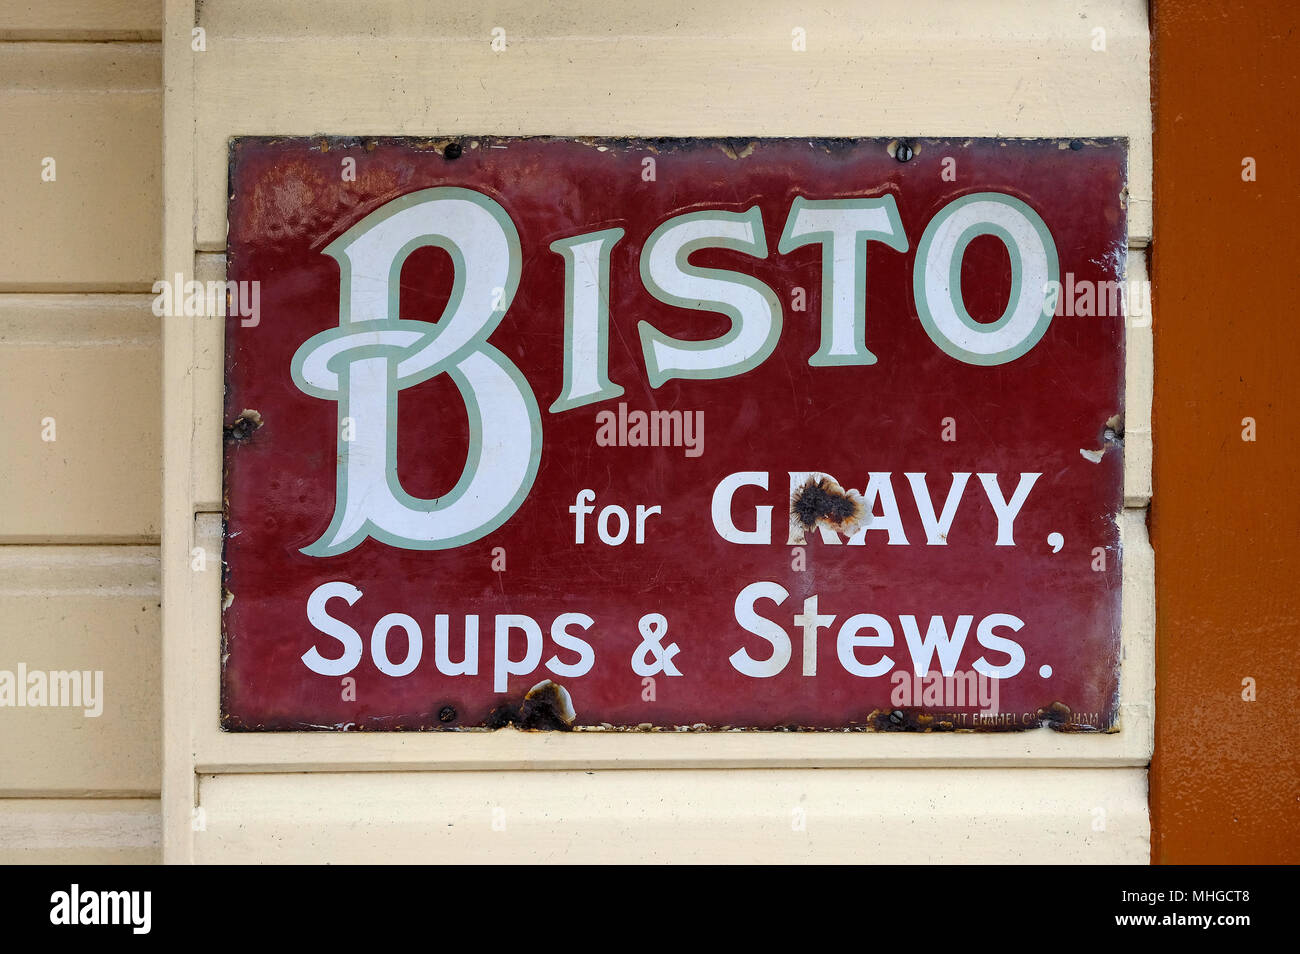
column 1225, row 782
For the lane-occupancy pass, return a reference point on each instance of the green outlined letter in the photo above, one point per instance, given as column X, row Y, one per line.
column 752, row 307
column 586, row 319
column 936, row 278
column 843, row 227
column 373, row 354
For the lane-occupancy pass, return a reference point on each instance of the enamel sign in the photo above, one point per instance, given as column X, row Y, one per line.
column 673, row 434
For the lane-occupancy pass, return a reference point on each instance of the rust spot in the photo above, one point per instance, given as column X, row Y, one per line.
column 736, row 148
column 1057, row 715
column 909, row 719
column 447, row 714
column 546, row 706
column 822, row 501
column 1113, row 433
column 918, row 719
column 242, row 427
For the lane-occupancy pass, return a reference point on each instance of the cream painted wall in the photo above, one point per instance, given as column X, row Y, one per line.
column 79, row 523
column 922, row 67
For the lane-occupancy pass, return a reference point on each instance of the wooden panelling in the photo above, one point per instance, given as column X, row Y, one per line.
column 95, row 109
column 87, row 609
column 1139, row 383
column 884, row 816
column 80, row 20
column 79, row 831
column 84, row 371
column 927, row 67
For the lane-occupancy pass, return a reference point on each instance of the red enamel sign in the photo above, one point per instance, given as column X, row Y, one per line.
column 674, row 433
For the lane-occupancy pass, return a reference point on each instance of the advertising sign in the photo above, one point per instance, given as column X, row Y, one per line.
column 673, row 434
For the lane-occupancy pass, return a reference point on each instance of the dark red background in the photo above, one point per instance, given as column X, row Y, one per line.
column 288, row 201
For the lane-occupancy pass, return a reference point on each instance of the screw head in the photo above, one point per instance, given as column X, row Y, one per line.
column 447, row 714
column 896, row 717
column 903, row 152
column 451, row 151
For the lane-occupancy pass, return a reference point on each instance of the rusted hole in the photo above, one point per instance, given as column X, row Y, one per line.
column 822, row 500
column 908, row 719
column 546, row 706
column 242, row 427
column 1056, row 714
column 1114, row 431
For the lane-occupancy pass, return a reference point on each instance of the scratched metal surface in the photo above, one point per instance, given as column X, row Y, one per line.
column 1038, row 413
